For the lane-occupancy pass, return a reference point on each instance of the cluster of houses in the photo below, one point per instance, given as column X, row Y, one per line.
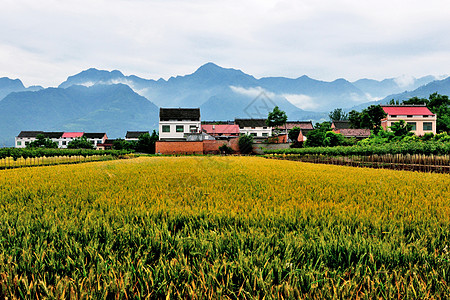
column 182, row 131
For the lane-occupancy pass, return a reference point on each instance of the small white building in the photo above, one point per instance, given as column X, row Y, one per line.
column 96, row 137
column 67, row 137
column 176, row 124
column 254, row 127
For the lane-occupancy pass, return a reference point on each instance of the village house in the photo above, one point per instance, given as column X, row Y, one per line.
column 26, row 137
column 254, row 127
column 221, row 131
column 134, row 135
column 305, row 127
column 419, row 117
column 62, row 139
column 96, row 138
column 176, row 124
column 344, row 128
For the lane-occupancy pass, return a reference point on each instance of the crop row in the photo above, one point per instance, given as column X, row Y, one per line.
column 26, row 153
column 425, row 148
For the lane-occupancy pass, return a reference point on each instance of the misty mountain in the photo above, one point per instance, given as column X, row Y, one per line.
column 380, row 89
column 438, row 86
column 8, row 86
column 113, row 109
column 210, row 82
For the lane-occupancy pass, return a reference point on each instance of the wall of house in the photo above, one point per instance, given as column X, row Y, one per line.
column 256, row 131
column 173, row 134
column 419, row 120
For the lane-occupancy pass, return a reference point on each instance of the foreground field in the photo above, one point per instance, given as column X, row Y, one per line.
column 219, row 227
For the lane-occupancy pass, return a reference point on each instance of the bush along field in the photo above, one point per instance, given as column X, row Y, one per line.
column 413, row 155
column 223, row 227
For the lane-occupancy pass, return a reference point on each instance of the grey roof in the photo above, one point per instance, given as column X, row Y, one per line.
column 166, row 114
column 94, row 135
column 33, row 134
column 29, row 134
column 250, row 122
column 135, row 134
column 341, row 124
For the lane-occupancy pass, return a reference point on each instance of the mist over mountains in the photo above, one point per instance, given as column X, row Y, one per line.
column 99, row 100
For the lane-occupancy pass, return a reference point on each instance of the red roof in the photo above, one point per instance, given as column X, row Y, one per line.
column 350, row 132
column 221, row 129
column 405, row 110
column 72, row 134
column 302, row 125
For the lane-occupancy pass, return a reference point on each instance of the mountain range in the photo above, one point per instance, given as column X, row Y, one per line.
column 98, row 100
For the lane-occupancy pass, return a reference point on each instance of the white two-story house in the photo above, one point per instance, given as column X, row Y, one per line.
column 176, row 124
column 254, row 127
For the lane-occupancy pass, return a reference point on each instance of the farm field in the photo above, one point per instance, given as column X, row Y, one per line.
column 223, row 227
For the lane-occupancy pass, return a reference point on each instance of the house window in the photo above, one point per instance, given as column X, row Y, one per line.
column 166, row 128
column 180, row 128
column 27, row 143
column 409, row 116
column 99, row 141
column 425, row 116
column 253, row 134
column 64, row 143
column 264, row 127
column 413, row 125
column 394, row 116
column 264, row 134
column 427, row 126
column 192, row 129
column 19, row 143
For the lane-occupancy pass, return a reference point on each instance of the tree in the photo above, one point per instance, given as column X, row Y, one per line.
column 146, row 142
column 42, row 142
column 368, row 118
column 401, row 129
column 245, row 144
column 80, row 143
column 337, row 115
column 333, row 139
column 225, row 149
column 122, row 144
column 316, row 137
column 293, row 136
column 276, row 118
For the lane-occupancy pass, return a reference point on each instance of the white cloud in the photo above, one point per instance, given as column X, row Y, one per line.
column 404, row 81
column 252, row 92
column 302, row 101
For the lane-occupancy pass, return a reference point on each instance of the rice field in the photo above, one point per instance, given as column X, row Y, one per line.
column 223, row 227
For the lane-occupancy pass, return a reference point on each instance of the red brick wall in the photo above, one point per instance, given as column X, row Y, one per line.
column 205, row 147
column 179, row 147
column 212, row 147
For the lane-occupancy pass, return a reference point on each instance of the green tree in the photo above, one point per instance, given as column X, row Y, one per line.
column 368, row 118
column 80, row 143
column 338, row 115
column 225, row 149
column 42, row 142
column 276, row 118
column 401, row 129
column 333, row 139
column 316, row 137
column 293, row 136
column 245, row 144
column 122, row 144
column 146, row 142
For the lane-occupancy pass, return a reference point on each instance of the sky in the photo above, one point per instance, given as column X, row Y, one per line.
column 43, row 42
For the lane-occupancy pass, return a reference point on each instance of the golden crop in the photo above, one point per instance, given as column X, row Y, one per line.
column 221, row 227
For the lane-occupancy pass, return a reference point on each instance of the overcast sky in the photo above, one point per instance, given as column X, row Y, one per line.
column 43, row 42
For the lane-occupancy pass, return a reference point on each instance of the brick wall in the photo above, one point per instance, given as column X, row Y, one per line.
column 179, row 147
column 205, row 147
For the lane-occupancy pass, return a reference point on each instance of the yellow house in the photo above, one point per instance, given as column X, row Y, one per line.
column 419, row 117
